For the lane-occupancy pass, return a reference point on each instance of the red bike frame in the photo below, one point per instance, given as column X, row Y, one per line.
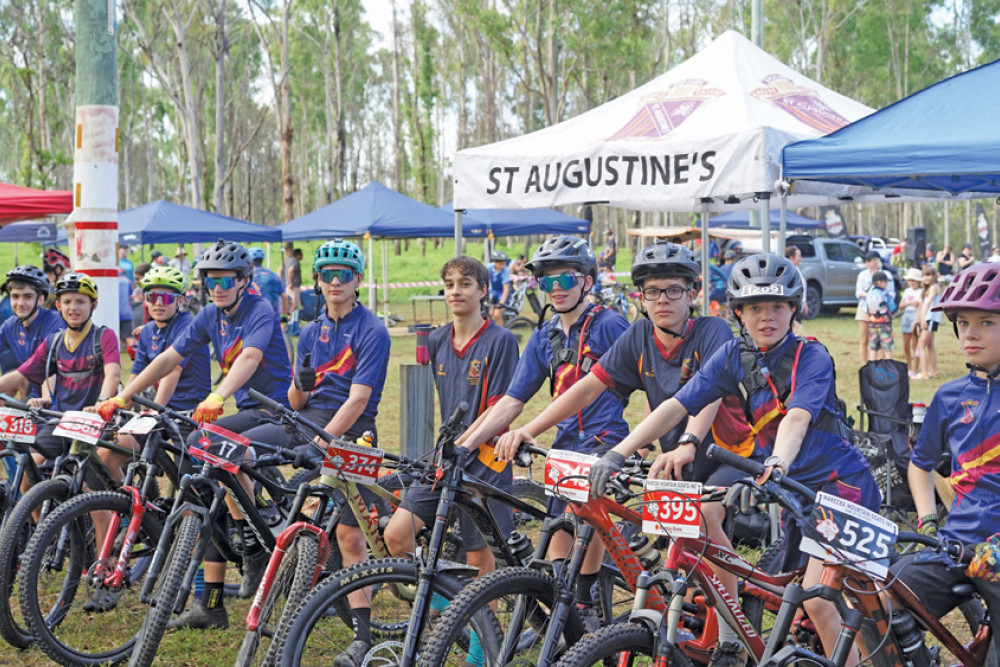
column 116, row 577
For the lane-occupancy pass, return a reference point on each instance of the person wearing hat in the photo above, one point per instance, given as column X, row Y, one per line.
column 156, row 257
column 880, row 309
column 910, row 304
column 873, row 264
column 180, row 262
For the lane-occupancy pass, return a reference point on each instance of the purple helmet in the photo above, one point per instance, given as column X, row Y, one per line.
column 975, row 288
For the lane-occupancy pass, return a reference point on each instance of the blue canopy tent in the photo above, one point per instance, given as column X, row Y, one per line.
column 163, row 222
column 741, row 220
column 943, row 139
column 28, row 232
column 518, row 222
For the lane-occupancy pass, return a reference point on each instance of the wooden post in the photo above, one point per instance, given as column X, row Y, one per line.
column 416, row 414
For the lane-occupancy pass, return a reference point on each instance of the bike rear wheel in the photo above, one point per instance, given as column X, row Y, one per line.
column 59, row 572
column 622, row 644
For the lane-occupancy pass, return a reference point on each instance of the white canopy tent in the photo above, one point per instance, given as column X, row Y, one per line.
column 705, row 136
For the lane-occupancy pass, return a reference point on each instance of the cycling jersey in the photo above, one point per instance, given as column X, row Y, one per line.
column 195, row 381
column 823, row 456
column 78, row 373
column 352, row 350
column 638, row 361
column 478, row 374
column 497, row 280
column 268, row 285
column 19, row 342
column 254, row 324
column 601, row 420
column 964, row 418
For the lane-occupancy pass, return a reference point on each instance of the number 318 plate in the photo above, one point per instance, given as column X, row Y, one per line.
column 851, row 534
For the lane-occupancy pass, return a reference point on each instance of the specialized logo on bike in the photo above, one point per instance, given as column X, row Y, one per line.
column 566, row 474
column 78, row 425
column 353, row 463
column 16, row 426
column 220, row 448
column 138, row 425
column 671, row 508
column 851, row 534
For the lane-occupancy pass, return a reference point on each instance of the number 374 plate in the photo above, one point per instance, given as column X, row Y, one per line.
column 851, row 534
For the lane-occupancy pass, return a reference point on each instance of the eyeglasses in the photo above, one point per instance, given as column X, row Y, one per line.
column 673, row 292
column 563, row 281
column 343, row 276
column 166, row 298
column 227, row 283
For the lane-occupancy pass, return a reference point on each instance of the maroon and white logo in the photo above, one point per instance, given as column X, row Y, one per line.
column 800, row 102
column 663, row 112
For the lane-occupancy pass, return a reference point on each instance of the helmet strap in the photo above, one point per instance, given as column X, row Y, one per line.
column 34, row 309
column 991, row 375
column 671, row 332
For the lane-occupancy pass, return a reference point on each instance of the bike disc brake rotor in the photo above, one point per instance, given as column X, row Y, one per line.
column 386, row 654
column 98, row 573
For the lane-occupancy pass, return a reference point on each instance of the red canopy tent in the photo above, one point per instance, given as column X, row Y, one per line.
column 18, row 203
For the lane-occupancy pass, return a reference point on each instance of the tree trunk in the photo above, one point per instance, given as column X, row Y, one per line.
column 287, row 131
column 218, row 191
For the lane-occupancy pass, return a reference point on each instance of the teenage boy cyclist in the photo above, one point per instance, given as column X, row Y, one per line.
column 658, row 356
column 963, row 419
column 246, row 334
column 473, row 360
column 75, row 366
column 792, row 408
column 341, row 366
column 31, row 323
column 564, row 350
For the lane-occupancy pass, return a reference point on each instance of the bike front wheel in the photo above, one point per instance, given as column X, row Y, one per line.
column 622, row 644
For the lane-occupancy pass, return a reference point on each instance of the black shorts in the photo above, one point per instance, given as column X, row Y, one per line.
column 931, row 326
column 423, row 501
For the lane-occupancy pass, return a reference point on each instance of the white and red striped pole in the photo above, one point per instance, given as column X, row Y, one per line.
column 95, row 157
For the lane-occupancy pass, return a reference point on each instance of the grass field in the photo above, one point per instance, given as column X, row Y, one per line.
column 213, row 648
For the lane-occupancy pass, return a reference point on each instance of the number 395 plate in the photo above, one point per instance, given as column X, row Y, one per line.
column 671, row 508
column 851, row 534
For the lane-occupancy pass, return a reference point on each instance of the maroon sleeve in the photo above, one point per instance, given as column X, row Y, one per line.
column 34, row 367
column 109, row 347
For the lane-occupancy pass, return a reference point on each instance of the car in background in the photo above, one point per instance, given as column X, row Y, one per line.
column 883, row 245
column 830, row 268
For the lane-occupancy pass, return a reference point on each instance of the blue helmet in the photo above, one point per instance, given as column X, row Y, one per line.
column 256, row 254
column 339, row 251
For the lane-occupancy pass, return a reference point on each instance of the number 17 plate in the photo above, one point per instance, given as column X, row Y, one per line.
column 851, row 534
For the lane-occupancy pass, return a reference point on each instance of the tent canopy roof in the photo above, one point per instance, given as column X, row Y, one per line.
column 518, row 222
column 19, row 203
column 944, row 138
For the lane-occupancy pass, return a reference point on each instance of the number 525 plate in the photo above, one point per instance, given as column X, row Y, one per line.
column 851, row 534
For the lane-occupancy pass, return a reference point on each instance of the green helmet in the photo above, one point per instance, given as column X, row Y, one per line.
column 163, row 276
column 339, row 251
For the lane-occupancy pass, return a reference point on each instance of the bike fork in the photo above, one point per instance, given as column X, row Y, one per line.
column 565, row 595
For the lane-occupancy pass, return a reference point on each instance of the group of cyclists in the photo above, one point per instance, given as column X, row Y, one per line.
column 762, row 393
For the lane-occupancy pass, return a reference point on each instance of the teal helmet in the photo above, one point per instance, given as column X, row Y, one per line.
column 339, row 251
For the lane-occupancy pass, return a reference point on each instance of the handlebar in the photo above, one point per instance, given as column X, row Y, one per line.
column 163, row 410
column 18, row 405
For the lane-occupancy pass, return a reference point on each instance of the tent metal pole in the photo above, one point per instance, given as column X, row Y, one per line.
column 765, row 220
column 783, row 228
column 947, row 221
column 706, row 285
column 458, row 232
column 385, row 284
column 267, row 250
column 371, row 276
column 16, row 263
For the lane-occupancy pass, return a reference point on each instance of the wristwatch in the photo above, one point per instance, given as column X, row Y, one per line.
column 689, row 438
column 776, row 462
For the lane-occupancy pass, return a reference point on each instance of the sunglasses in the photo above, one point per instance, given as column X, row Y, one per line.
column 166, row 298
column 563, row 281
column 343, row 276
column 227, row 283
column 674, row 292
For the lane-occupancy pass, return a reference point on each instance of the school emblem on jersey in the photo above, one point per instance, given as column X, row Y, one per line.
column 687, row 369
column 223, row 327
column 324, row 334
column 21, row 340
column 475, row 372
column 441, row 369
column 231, row 354
column 339, row 365
column 967, row 414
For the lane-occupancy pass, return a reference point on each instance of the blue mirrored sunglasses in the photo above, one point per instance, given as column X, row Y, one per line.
column 229, row 282
column 563, row 281
column 343, row 276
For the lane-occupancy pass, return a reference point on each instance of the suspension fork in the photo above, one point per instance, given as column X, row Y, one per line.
column 565, row 595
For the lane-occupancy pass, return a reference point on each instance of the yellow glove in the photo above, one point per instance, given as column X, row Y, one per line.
column 928, row 525
column 209, row 410
column 106, row 409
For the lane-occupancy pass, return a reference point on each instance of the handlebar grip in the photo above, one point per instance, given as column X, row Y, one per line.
column 267, row 401
column 146, row 403
column 459, row 414
column 13, row 403
column 954, row 549
column 724, row 456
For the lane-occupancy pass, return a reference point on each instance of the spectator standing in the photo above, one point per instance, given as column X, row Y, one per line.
column 929, row 321
column 966, row 258
column 873, row 264
column 995, row 257
column 291, row 273
column 898, row 258
column 124, row 264
column 945, row 261
column 910, row 304
column 124, row 307
column 181, row 263
column 880, row 309
column 610, row 254
column 156, row 258
column 794, row 254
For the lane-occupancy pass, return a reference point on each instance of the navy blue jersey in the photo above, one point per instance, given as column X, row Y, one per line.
column 823, row 457
column 268, row 285
column 196, row 378
column 638, row 361
column 497, row 280
column 964, row 418
column 254, row 324
column 478, row 374
column 352, row 350
column 78, row 375
column 19, row 342
column 602, row 419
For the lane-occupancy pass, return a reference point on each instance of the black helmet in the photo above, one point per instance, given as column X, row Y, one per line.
column 664, row 260
column 764, row 278
column 78, row 283
column 563, row 251
column 225, row 256
column 499, row 256
column 29, row 275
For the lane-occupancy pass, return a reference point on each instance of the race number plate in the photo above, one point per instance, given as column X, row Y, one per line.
column 354, row 463
column 851, row 534
column 566, row 474
column 671, row 508
column 16, row 426
column 608, row 293
column 220, row 448
column 138, row 425
column 79, row 425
